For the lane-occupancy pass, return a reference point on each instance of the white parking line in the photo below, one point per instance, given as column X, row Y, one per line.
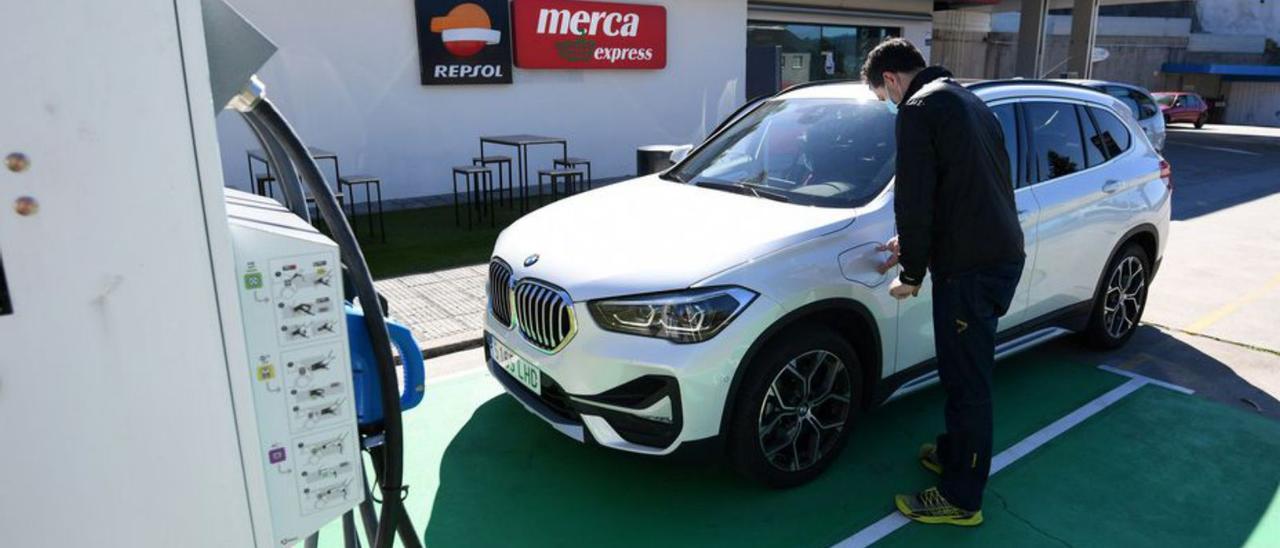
column 1220, row 149
column 894, row 521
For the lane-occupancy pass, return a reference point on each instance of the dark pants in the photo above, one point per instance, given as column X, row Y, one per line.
column 965, row 309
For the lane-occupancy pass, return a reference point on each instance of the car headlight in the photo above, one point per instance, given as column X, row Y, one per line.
column 689, row 316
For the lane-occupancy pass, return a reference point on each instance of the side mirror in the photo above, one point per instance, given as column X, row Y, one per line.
column 680, row 153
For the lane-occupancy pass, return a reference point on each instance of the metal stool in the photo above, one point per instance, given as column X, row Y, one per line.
column 570, row 177
column 572, row 162
column 370, row 183
column 484, row 161
column 264, row 185
column 480, row 180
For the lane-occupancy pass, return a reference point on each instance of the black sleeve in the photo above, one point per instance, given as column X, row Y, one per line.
column 914, row 191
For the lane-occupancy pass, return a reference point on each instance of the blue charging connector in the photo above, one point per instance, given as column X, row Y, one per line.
column 364, row 369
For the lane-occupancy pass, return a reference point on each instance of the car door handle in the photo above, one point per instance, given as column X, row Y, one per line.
column 1111, row 186
column 1023, row 214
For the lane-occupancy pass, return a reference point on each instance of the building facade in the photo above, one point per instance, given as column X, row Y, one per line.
column 348, row 75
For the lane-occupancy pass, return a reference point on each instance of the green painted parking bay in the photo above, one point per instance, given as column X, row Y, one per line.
column 1156, row 466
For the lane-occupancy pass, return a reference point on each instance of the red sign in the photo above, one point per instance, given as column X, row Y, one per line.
column 565, row 34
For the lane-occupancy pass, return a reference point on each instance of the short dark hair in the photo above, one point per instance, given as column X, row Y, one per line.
column 892, row 55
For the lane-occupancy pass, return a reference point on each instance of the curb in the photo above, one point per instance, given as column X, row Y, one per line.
column 451, row 345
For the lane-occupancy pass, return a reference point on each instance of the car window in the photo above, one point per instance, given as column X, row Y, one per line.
column 1009, row 123
column 1055, row 137
column 1164, row 99
column 1113, row 134
column 1146, row 106
column 823, row 152
column 1123, row 95
column 1095, row 149
column 1182, row 101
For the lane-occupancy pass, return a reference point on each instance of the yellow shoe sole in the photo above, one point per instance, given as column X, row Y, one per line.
column 970, row 521
column 931, row 466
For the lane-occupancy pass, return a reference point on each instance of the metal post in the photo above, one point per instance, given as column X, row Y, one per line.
column 1030, row 38
column 1084, row 30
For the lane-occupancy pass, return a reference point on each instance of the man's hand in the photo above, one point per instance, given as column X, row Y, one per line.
column 892, row 247
column 902, row 291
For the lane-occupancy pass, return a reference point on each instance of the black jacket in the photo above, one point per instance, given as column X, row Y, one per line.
column 953, row 196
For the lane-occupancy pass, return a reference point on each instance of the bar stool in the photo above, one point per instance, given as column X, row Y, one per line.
column 572, row 162
column 264, row 185
column 369, row 183
column 484, row 161
column 480, row 179
column 570, row 177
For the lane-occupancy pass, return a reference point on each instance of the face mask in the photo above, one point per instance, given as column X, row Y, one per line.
column 891, row 106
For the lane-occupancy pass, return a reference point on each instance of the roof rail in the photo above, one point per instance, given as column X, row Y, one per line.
column 1022, row 81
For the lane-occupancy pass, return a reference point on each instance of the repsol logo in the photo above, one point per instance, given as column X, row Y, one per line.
column 587, row 23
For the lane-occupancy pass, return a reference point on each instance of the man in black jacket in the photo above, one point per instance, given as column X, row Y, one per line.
column 953, row 199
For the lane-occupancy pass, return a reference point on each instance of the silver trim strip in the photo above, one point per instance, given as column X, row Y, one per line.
column 1008, row 348
column 606, row 436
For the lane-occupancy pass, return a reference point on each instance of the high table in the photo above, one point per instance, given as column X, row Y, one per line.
column 316, row 154
column 521, row 143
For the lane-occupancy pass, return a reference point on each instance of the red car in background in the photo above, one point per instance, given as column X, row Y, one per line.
column 1182, row 106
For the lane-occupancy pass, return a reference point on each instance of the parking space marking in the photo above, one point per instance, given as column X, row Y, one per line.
column 1231, row 307
column 895, row 520
column 1220, row 149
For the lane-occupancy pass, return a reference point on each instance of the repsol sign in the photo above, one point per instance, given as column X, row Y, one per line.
column 567, row 34
column 464, row 42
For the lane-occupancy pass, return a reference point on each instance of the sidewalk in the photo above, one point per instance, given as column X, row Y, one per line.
column 444, row 309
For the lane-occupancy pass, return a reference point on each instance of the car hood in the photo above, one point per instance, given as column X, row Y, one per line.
column 647, row 235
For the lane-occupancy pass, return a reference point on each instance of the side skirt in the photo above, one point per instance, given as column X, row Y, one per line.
column 1011, row 341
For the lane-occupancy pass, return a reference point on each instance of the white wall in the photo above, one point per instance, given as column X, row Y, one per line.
column 347, row 77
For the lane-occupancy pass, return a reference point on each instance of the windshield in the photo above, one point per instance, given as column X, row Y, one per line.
column 822, row 152
column 1165, row 99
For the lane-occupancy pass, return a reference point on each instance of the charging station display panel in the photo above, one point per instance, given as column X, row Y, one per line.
column 290, row 285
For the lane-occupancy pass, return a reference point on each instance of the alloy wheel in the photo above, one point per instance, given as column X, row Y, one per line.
column 805, row 410
column 1122, row 305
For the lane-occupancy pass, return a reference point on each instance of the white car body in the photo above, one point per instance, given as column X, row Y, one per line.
column 650, row 235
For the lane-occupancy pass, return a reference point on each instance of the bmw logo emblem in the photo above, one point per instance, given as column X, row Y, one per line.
column 531, row 260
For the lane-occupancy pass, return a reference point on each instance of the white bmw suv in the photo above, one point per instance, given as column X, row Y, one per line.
column 734, row 301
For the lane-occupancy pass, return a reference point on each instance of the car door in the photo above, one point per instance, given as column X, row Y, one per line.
column 915, row 316
column 1077, row 221
column 1181, row 111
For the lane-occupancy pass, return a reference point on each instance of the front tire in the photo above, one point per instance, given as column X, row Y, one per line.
column 1118, row 307
column 797, row 404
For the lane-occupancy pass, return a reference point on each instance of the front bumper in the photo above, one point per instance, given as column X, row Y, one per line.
column 627, row 392
column 643, row 416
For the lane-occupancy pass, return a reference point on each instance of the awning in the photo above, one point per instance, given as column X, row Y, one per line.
column 1227, row 72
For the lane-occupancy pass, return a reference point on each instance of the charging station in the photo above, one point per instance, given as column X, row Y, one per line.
column 201, row 390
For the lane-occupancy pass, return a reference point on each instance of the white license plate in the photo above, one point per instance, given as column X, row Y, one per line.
column 528, row 374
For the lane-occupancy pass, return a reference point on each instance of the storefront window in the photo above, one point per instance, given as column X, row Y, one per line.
column 818, row 52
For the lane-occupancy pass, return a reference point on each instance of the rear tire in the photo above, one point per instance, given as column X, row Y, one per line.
column 797, row 404
column 1201, row 120
column 1121, row 300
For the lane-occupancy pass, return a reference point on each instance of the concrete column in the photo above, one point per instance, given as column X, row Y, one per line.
column 1084, row 30
column 1030, row 38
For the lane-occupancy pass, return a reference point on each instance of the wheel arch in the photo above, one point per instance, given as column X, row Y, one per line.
column 1146, row 236
column 847, row 317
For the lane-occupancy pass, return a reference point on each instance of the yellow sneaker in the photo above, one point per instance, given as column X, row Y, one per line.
column 929, row 458
column 929, row 506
